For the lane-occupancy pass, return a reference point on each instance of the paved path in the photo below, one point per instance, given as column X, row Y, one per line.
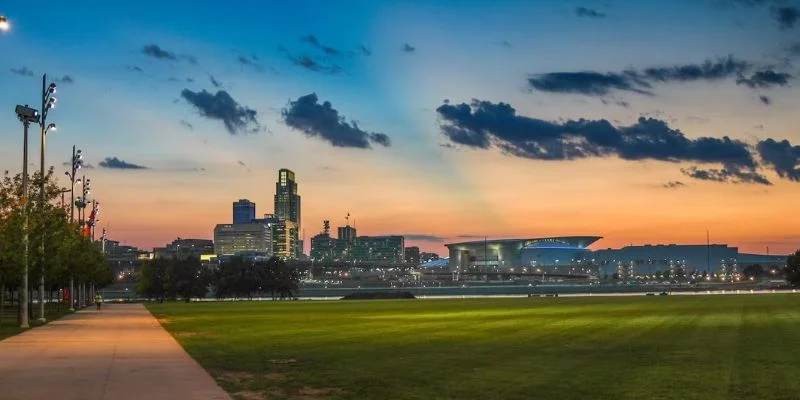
column 120, row 353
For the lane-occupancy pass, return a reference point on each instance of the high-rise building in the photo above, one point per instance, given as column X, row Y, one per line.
column 254, row 237
column 284, row 236
column 244, row 211
column 412, row 254
column 347, row 233
column 287, row 201
column 378, row 249
column 287, row 208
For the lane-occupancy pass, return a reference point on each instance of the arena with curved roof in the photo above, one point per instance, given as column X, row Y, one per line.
column 523, row 253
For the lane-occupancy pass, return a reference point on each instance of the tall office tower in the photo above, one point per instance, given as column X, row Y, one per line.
column 287, row 201
column 287, row 209
column 244, row 211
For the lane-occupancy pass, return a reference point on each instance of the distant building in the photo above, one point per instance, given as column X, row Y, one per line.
column 427, row 257
column 347, row 233
column 287, row 208
column 231, row 239
column 322, row 247
column 287, row 201
column 378, row 249
column 181, row 249
column 571, row 255
column 284, row 236
column 412, row 254
column 244, row 211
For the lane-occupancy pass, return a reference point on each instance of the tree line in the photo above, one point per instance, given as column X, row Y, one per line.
column 237, row 278
column 66, row 252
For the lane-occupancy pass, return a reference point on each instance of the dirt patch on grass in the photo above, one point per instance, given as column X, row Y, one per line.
column 284, row 361
column 313, row 393
column 235, row 376
column 249, row 395
column 275, row 376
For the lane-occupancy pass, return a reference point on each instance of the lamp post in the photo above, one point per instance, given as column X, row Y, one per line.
column 77, row 163
column 48, row 103
column 27, row 116
column 81, row 204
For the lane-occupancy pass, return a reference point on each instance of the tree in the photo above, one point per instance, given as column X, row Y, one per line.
column 188, row 279
column 792, row 269
column 754, row 271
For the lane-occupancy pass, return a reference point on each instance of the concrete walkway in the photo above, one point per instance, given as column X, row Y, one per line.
column 120, row 352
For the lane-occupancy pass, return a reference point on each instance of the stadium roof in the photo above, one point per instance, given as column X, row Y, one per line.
column 571, row 241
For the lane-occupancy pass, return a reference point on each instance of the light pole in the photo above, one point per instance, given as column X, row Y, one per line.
column 81, row 204
column 48, row 103
column 27, row 116
column 77, row 163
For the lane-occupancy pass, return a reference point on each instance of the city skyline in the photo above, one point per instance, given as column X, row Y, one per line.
column 553, row 118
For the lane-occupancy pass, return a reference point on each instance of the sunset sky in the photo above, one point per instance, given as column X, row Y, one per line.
column 639, row 121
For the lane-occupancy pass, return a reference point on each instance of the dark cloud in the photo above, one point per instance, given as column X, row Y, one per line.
column 65, row 79
column 221, row 106
column 133, row 68
column 310, row 64
column 588, row 12
column 782, row 157
column 252, row 62
column 765, row 79
column 155, row 51
column 421, row 237
column 588, row 82
column 766, row 100
column 187, row 125
column 324, row 122
column 364, row 50
column 241, row 163
column 674, row 185
column 485, row 125
column 592, row 83
column 190, row 59
column 116, row 163
column 24, row 71
column 214, row 82
column 505, row 43
column 710, row 70
column 408, row 48
column 787, row 17
column 732, row 175
column 312, row 40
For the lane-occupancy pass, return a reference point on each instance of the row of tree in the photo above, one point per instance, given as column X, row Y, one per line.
column 238, row 278
column 66, row 253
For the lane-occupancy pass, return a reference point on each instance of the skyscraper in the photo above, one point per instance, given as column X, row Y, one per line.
column 287, row 209
column 287, row 201
column 244, row 211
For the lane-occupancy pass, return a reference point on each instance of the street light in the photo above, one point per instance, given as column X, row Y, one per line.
column 4, row 24
column 77, row 163
column 27, row 116
column 48, row 103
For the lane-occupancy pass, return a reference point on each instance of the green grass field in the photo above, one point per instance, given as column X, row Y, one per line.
column 670, row 347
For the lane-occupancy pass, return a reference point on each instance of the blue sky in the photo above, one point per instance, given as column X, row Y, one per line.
column 130, row 103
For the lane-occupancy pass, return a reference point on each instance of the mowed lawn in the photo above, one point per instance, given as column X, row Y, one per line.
column 661, row 347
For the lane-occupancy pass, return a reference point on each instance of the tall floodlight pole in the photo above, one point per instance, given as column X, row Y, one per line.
column 48, row 103
column 77, row 163
column 27, row 116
